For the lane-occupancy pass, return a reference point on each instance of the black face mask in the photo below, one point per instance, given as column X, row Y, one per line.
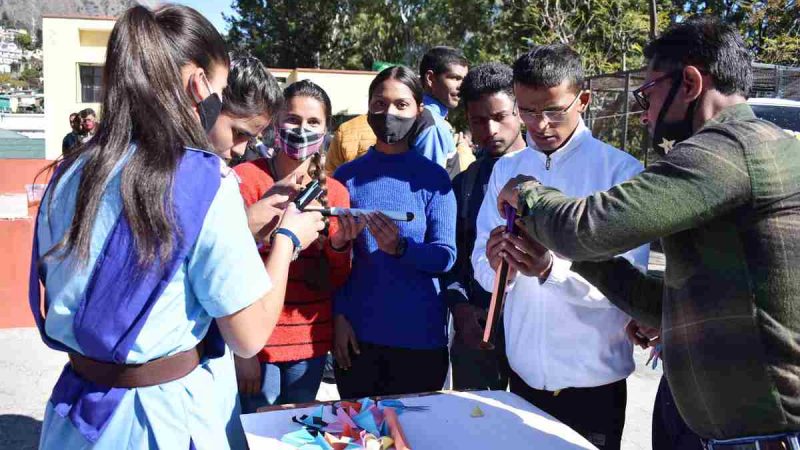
column 668, row 134
column 209, row 109
column 389, row 128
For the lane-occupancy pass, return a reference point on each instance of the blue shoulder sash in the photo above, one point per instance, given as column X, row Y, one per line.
column 120, row 296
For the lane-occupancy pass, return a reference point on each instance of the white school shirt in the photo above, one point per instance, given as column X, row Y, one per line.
column 561, row 333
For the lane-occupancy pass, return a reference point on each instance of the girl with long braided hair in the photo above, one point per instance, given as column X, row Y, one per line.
column 289, row 368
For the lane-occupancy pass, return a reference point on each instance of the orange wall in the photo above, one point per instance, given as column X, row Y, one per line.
column 16, row 237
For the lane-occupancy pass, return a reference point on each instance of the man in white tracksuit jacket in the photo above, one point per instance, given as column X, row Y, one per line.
column 565, row 341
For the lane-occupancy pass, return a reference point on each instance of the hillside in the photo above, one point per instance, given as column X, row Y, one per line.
column 28, row 13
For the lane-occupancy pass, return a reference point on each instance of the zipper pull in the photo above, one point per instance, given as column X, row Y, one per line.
column 547, row 163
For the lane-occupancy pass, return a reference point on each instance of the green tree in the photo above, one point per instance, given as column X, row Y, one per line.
column 283, row 33
column 773, row 31
column 351, row 34
column 24, row 41
column 609, row 34
column 770, row 27
column 32, row 76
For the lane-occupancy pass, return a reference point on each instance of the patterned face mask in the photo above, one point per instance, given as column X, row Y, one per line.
column 298, row 143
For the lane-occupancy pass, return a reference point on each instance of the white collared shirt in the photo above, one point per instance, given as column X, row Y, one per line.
column 564, row 332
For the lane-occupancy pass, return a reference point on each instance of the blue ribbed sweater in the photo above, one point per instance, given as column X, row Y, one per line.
column 389, row 300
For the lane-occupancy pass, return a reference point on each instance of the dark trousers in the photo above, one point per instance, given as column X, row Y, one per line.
column 597, row 413
column 670, row 432
column 382, row 370
column 479, row 369
column 476, row 369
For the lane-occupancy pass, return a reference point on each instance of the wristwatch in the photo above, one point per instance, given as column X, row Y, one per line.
column 295, row 240
column 400, row 250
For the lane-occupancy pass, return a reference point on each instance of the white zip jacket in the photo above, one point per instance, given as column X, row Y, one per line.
column 564, row 332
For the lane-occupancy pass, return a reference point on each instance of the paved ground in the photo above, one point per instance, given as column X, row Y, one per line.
column 28, row 371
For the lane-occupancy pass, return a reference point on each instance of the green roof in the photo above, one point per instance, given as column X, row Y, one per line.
column 18, row 146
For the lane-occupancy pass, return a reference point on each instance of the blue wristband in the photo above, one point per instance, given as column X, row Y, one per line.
column 290, row 235
column 295, row 241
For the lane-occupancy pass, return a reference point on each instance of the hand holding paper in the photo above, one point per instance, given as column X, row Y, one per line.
column 348, row 229
column 499, row 291
column 386, row 232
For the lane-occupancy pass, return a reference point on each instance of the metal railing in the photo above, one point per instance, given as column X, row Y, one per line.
column 614, row 117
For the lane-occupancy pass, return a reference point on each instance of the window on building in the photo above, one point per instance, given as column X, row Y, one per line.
column 91, row 83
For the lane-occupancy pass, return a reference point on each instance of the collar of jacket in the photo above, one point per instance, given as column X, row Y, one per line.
column 739, row 111
column 579, row 136
column 435, row 105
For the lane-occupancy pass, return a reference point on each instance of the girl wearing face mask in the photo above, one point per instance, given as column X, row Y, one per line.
column 289, row 367
column 251, row 98
column 390, row 324
column 142, row 247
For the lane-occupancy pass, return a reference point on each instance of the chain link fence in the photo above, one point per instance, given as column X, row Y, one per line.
column 614, row 117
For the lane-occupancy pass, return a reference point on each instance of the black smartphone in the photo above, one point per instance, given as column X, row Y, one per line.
column 307, row 195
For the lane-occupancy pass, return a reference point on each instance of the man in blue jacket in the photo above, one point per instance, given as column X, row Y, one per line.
column 442, row 71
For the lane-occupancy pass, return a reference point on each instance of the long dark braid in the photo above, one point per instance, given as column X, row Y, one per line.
column 316, row 170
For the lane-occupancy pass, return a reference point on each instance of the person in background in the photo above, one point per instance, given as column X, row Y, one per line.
column 88, row 124
column 390, row 321
column 351, row 140
column 73, row 137
column 139, row 291
column 442, row 70
column 289, row 368
column 576, row 367
column 725, row 201
column 488, row 95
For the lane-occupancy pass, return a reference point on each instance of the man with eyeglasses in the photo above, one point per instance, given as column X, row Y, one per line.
column 725, row 201
column 565, row 341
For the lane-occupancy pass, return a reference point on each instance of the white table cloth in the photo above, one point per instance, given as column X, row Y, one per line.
column 508, row 422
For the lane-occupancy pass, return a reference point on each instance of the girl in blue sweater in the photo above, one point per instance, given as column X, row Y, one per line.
column 389, row 318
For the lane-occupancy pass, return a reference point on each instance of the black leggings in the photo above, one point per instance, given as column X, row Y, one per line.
column 382, row 370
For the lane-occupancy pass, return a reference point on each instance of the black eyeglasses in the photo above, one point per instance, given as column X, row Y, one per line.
column 638, row 93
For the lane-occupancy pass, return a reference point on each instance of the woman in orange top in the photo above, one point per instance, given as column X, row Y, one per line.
column 289, row 368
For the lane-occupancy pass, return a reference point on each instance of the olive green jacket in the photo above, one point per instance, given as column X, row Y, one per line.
column 726, row 204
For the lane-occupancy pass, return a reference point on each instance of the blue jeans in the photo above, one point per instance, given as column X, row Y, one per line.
column 289, row 382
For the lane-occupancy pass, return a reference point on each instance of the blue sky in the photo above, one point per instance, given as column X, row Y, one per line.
column 212, row 9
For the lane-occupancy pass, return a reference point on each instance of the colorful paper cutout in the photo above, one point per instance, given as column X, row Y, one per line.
column 351, row 425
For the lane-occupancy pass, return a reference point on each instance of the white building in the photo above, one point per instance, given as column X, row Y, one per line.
column 33, row 54
column 10, row 34
column 10, row 54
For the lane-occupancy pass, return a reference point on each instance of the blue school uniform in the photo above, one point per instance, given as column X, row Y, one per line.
column 215, row 273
